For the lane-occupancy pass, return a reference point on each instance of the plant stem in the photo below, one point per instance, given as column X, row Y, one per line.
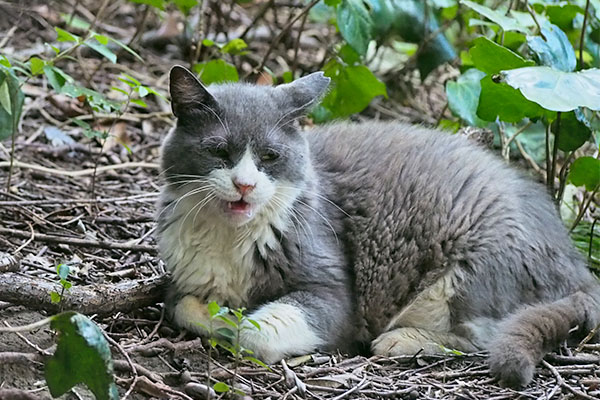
column 555, row 153
column 584, row 206
column 209, row 358
column 12, row 157
column 582, row 39
column 549, row 180
column 29, row 327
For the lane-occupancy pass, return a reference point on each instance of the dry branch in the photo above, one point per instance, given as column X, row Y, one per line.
column 101, row 299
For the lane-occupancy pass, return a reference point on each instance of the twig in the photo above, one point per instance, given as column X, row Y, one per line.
column 79, row 242
column 11, row 203
column 82, row 172
column 555, row 153
column 584, row 206
column 283, row 31
column 582, row 38
column 358, row 387
column 532, row 13
column 133, row 369
column 28, row 327
column 562, row 383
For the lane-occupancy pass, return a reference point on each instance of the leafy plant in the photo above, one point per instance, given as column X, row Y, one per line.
column 62, row 270
column 227, row 337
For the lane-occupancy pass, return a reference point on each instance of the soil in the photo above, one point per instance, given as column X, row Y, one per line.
column 56, row 210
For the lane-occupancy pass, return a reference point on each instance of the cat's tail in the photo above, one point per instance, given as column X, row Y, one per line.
column 525, row 337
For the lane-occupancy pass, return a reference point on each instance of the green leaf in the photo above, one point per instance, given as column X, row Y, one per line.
column 227, row 321
column 234, row 47
column 463, row 96
column 102, row 39
column 353, row 89
column 73, row 21
column 213, row 308
column 216, row 71
column 563, row 13
column 208, row 43
column 63, row 271
column 556, row 51
column 36, row 65
column 287, row 77
column 557, row 90
column 66, row 284
column 585, row 171
column 153, row 3
column 349, row 55
column 4, row 61
column 116, row 89
column 127, row 49
column 573, row 132
column 226, row 333
column 506, row 23
column 56, row 77
column 221, row 387
column 139, row 102
column 102, row 49
column 11, row 103
column 253, row 322
column 256, row 361
column 356, row 24
column 185, row 5
column 143, row 91
column 55, row 297
column 64, row 36
column 82, row 356
column 498, row 100
column 333, row 3
column 492, row 58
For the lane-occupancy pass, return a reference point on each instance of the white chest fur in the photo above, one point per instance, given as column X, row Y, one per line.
column 211, row 259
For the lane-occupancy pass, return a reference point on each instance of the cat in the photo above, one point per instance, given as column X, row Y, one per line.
column 348, row 234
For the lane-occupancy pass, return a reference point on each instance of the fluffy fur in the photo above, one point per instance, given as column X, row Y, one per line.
column 386, row 234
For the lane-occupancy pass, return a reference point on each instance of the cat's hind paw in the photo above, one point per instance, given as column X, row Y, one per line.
column 512, row 367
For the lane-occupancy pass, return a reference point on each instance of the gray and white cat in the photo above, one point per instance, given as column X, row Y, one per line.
column 397, row 236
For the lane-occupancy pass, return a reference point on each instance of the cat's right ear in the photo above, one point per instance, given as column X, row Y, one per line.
column 187, row 93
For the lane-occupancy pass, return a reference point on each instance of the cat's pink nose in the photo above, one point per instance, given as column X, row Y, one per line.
column 243, row 188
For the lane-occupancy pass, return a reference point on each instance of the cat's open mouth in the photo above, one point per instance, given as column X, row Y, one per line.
column 239, row 207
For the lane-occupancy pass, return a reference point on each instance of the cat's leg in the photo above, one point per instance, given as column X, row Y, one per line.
column 192, row 315
column 410, row 341
column 298, row 323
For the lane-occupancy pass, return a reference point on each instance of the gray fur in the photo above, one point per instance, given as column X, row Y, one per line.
column 388, row 214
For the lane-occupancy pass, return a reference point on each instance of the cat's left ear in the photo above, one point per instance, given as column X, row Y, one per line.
column 187, row 93
column 305, row 92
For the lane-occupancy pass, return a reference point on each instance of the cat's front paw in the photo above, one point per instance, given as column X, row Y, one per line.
column 284, row 331
column 403, row 342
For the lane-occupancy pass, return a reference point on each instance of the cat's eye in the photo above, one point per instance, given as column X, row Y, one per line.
column 269, row 156
column 220, row 152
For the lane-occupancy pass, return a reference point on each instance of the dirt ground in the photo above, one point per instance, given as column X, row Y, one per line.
column 56, row 212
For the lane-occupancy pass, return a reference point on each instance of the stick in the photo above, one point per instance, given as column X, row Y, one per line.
column 101, row 299
column 82, row 172
column 102, row 244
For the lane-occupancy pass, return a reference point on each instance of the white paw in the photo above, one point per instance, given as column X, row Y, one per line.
column 283, row 332
column 404, row 342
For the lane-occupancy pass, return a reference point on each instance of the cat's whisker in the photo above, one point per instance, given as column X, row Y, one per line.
column 208, row 198
column 200, row 204
column 320, row 196
column 224, row 125
column 173, row 207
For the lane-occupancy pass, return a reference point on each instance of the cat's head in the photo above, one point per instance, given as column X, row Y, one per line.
column 237, row 148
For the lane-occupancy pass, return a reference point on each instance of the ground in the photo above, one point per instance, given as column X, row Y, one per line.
column 57, row 210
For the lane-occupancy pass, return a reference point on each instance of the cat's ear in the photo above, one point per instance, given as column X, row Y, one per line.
column 187, row 93
column 305, row 92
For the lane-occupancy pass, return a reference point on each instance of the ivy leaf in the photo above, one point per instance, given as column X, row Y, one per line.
column 353, row 89
column 585, row 171
column 11, row 102
column 82, row 356
column 557, row 90
column 55, row 297
column 491, row 58
column 506, row 23
column 556, row 51
column 463, row 96
column 574, row 131
column 216, row 71
column 56, row 77
column 356, row 24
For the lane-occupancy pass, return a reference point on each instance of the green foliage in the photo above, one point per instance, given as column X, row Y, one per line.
column 463, row 96
column 585, row 171
column 82, row 356
column 216, row 71
column 11, row 101
column 62, row 270
column 355, row 24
